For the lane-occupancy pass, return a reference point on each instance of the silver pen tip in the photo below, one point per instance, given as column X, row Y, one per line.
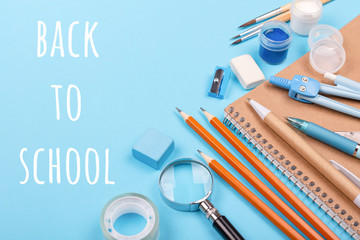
column 249, row 99
column 294, row 122
column 290, row 119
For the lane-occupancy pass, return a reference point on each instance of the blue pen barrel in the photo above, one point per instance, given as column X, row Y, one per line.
column 280, row 82
column 333, row 139
column 343, row 81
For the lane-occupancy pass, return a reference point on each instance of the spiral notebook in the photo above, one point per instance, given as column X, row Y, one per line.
column 241, row 117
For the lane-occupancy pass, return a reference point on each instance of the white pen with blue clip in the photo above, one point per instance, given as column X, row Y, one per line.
column 346, row 186
column 343, row 81
column 326, row 136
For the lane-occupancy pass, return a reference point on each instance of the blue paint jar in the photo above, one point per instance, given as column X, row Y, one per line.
column 275, row 39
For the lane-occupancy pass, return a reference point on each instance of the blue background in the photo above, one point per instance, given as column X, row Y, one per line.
column 153, row 56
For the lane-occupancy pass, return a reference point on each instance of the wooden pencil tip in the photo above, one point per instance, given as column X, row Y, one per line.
column 202, row 109
column 178, row 109
column 199, row 151
column 206, row 158
column 249, row 99
column 248, row 23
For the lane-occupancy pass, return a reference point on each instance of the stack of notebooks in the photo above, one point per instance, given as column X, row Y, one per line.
column 287, row 160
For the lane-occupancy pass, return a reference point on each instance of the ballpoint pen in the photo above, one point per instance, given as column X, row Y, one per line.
column 326, row 136
column 346, row 186
column 343, row 81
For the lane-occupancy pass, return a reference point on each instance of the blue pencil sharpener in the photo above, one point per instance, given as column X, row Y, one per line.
column 219, row 82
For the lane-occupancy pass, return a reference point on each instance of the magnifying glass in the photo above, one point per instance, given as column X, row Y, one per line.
column 186, row 185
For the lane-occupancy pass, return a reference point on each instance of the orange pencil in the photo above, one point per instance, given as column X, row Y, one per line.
column 252, row 198
column 250, row 177
column 276, row 182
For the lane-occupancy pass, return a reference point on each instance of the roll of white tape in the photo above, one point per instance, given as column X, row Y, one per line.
column 130, row 203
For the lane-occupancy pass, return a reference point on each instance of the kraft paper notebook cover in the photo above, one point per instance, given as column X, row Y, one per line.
column 249, row 125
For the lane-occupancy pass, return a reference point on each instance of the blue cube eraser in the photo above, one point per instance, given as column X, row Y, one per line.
column 153, row 148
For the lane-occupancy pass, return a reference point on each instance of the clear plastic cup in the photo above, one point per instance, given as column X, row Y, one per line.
column 327, row 53
column 305, row 14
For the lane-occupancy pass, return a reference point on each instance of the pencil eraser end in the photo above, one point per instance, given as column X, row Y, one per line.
column 247, row 71
column 153, row 148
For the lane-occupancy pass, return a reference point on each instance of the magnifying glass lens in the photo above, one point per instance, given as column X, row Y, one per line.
column 186, row 182
column 186, row 185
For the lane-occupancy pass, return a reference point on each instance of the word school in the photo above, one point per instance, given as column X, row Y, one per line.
column 53, row 165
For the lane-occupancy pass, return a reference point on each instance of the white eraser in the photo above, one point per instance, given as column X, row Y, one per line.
column 247, row 71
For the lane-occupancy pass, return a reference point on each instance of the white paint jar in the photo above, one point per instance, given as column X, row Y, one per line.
column 305, row 14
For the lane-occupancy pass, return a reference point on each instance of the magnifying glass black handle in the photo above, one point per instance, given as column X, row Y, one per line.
column 226, row 229
column 220, row 222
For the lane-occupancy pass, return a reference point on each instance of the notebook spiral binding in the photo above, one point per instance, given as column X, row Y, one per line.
column 290, row 171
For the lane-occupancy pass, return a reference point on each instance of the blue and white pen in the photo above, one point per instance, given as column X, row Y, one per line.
column 343, row 81
column 326, row 136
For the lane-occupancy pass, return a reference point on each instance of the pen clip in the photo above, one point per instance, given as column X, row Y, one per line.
column 346, row 172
